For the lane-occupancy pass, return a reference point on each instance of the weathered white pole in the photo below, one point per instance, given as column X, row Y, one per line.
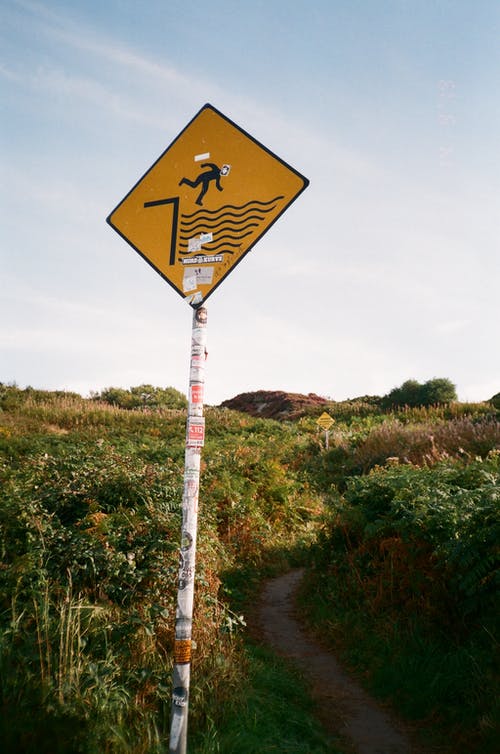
column 195, row 436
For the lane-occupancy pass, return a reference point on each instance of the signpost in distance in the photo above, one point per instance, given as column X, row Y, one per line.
column 204, row 203
column 325, row 421
column 193, row 216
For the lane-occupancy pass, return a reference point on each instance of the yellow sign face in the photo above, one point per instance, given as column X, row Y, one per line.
column 204, row 204
column 325, row 421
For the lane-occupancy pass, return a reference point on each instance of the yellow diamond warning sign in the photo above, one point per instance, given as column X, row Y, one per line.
column 204, row 203
column 325, row 421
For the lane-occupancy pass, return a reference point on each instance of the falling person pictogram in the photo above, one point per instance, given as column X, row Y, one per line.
column 213, row 173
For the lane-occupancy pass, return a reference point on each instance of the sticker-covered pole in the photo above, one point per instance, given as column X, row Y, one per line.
column 195, row 435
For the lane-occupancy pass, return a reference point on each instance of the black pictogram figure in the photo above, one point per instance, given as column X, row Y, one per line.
column 212, row 174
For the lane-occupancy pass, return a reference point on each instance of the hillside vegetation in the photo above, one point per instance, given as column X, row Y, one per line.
column 399, row 522
column 405, row 579
column 90, row 503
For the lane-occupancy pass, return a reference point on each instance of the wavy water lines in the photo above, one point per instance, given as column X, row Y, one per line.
column 228, row 228
column 253, row 202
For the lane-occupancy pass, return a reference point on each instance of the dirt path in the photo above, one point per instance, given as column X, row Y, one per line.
column 343, row 706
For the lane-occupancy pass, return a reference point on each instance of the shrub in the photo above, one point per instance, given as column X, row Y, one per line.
column 425, row 444
column 450, row 511
column 90, row 502
column 495, row 401
column 142, row 396
column 406, row 585
column 439, row 390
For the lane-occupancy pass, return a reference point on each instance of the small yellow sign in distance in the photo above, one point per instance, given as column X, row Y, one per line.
column 204, row 203
column 325, row 421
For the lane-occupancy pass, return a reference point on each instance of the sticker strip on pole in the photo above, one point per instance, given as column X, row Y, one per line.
column 195, row 437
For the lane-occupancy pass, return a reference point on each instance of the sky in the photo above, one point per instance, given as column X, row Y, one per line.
column 386, row 268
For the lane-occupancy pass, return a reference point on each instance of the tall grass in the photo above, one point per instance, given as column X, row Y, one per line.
column 376, row 441
column 79, row 679
column 406, row 585
column 272, row 712
column 90, row 501
column 427, row 444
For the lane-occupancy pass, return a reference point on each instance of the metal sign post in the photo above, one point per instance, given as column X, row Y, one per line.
column 195, row 435
column 325, row 421
column 193, row 216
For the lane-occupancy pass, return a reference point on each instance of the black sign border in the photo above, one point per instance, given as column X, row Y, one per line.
column 208, row 106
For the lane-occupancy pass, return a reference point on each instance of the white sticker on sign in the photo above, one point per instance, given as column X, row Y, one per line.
column 194, row 244
column 204, row 275
column 195, row 276
column 189, row 281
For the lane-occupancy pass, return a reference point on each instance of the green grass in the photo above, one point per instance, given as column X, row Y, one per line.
column 89, row 535
column 405, row 586
column 448, row 688
column 90, row 499
column 272, row 712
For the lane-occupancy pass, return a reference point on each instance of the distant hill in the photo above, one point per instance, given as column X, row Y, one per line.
column 277, row 404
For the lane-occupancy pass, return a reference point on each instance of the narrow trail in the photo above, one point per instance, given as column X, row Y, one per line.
column 343, row 706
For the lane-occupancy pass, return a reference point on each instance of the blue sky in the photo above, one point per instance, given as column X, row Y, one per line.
column 386, row 268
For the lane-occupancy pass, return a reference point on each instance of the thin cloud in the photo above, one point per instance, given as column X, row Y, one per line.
column 63, row 29
column 147, row 75
column 10, row 75
column 66, row 309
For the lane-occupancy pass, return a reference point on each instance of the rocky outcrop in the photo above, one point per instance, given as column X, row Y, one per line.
column 277, row 404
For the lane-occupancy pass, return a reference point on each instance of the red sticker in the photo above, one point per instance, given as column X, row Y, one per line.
column 196, row 393
column 196, row 433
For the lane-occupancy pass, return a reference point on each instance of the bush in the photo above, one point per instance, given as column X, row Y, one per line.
column 406, row 586
column 451, row 509
column 426, row 443
column 434, row 392
column 495, row 401
column 90, row 504
column 142, row 396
